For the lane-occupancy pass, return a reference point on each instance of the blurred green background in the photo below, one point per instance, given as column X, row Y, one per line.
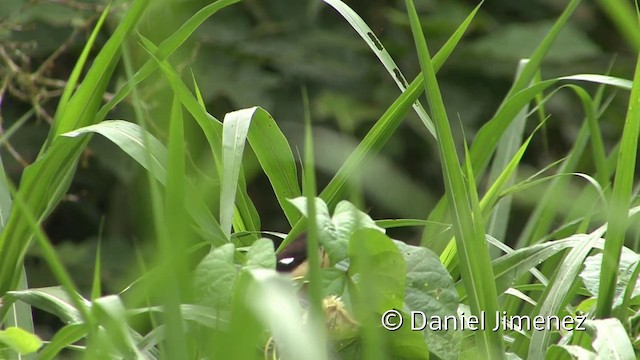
column 264, row 53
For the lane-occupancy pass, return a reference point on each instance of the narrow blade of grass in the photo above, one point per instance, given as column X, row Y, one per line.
column 313, row 243
column 75, row 74
column 378, row 48
column 488, row 136
column 44, row 182
column 475, row 263
column 620, row 200
column 166, row 48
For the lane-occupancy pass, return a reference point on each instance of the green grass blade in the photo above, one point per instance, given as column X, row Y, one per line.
column 276, row 159
column 247, row 219
column 475, row 263
column 64, row 337
column 620, row 199
column 44, row 182
column 234, row 136
column 166, row 48
column 554, row 297
column 488, row 136
column 19, row 313
column 622, row 14
column 490, row 199
column 75, row 73
column 272, row 150
column 380, row 133
column 486, row 139
column 50, row 256
column 129, row 137
column 376, row 46
column 96, row 287
column 372, row 142
column 177, row 239
column 506, row 149
column 313, row 234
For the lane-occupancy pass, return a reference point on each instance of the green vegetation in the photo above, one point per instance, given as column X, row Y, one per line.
column 482, row 282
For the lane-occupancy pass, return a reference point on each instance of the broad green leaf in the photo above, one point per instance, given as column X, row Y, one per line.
column 261, row 254
column 406, row 343
column 334, row 281
column 591, row 275
column 21, row 341
column 323, row 218
column 215, row 277
column 336, row 230
column 429, row 288
column 611, row 340
column 375, row 257
column 570, row 352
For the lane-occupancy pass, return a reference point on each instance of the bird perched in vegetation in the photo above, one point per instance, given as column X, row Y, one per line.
column 293, row 259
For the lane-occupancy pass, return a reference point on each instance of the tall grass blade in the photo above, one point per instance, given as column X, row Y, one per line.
column 313, row 233
column 475, row 263
column 620, row 199
column 44, row 182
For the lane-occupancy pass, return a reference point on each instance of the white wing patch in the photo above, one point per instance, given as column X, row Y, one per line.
column 287, row 260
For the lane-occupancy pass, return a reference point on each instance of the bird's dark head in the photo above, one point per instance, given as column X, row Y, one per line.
column 293, row 259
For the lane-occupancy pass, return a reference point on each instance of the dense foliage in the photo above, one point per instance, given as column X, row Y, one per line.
column 137, row 196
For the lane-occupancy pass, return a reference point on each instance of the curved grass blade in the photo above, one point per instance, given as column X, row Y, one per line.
column 64, row 337
column 129, row 137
